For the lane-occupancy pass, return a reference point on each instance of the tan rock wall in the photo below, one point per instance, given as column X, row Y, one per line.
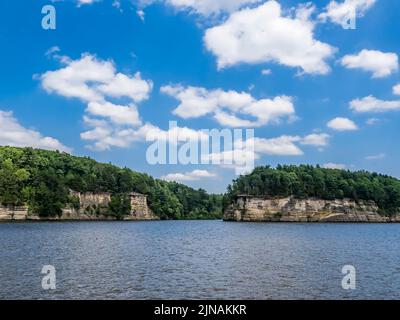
column 291, row 209
column 93, row 206
column 140, row 209
column 13, row 213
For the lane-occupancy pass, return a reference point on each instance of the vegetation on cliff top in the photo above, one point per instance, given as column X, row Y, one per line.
column 42, row 180
column 308, row 181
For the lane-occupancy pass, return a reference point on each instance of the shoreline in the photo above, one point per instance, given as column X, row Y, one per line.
column 97, row 220
column 316, row 222
column 196, row 220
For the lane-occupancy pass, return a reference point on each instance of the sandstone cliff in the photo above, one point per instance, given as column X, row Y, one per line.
column 290, row 209
column 13, row 213
column 92, row 206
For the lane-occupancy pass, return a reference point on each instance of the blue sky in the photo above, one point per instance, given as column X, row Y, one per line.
column 314, row 91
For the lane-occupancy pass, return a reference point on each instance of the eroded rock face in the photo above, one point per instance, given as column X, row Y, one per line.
column 13, row 213
column 291, row 209
column 139, row 208
column 93, row 206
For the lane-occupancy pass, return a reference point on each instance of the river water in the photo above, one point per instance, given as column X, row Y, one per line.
column 199, row 260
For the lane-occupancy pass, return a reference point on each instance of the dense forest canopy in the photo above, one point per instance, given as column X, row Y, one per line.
column 42, row 180
column 309, row 181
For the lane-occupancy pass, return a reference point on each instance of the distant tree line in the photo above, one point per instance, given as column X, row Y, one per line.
column 42, row 180
column 308, row 181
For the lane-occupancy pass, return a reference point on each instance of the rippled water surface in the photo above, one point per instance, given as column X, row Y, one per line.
column 198, row 259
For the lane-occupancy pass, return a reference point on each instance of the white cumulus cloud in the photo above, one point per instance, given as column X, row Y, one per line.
column 210, row 7
column 286, row 145
column 331, row 165
column 254, row 148
column 12, row 133
column 95, row 82
column 229, row 107
column 266, row 72
column 280, row 146
column 339, row 12
column 380, row 64
column 372, row 104
column 116, row 113
column 83, row 2
column 342, row 124
column 90, row 79
column 396, row 89
column 189, row 176
column 265, row 34
column 316, row 139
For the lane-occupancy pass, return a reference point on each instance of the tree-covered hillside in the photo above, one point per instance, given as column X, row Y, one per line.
column 42, row 180
column 308, row 181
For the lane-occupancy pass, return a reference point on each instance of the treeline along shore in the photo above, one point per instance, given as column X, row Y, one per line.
column 38, row 184
column 312, row 194
column 50, row 185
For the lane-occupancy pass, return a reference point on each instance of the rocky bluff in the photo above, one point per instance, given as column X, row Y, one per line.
column 92, row 206
column 291, row 209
